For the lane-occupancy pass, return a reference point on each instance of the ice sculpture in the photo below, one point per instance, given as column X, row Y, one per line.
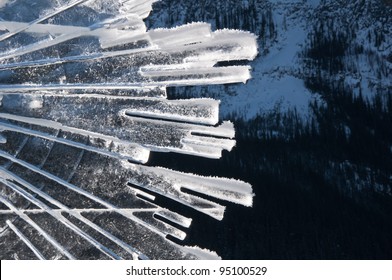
column 83, row 103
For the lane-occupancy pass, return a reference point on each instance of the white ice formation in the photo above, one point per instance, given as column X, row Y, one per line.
column 83, row 103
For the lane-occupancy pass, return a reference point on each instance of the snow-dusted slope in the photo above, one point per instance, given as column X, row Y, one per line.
column 277, row 84
column 285, row 29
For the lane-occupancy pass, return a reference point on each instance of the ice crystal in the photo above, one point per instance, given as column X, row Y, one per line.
column 83, row 103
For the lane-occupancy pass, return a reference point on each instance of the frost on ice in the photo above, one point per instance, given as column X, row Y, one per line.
column 83, row 103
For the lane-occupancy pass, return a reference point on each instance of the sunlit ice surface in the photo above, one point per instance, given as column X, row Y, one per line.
column 83, row 104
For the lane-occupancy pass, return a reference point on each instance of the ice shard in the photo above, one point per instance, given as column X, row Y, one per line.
column 83, row 103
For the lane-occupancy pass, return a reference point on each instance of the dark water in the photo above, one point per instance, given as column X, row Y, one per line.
column 301, row 218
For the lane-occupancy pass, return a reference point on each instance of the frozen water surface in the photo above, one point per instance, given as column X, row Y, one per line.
column 83, row 103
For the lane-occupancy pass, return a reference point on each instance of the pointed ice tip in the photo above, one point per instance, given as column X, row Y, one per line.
column 202, row 254
column 248, row 201
column 180, row 235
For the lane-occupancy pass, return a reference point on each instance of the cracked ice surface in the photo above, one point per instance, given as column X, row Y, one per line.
column 83, row 103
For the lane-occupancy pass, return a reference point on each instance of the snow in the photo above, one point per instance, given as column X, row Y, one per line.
column 277, row 82
column 188, row 34
column 142, row 8
column 36, row 103
column 275, row 85
column 107, row 105
column 3, row 3
column 276, row 94
column 198, row 111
